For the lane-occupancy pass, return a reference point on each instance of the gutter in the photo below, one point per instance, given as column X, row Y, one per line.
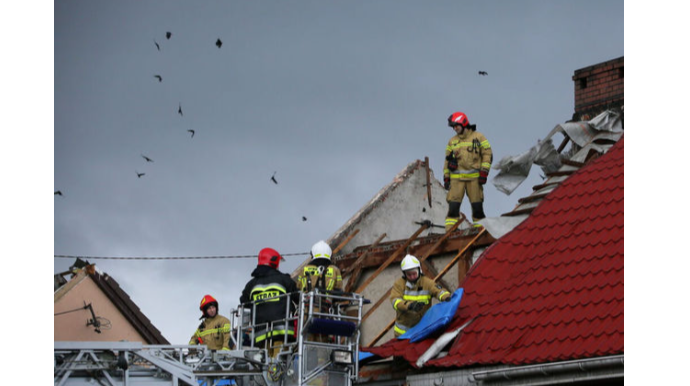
column 551, row 369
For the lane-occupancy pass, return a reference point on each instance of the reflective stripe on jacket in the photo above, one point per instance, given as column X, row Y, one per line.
column 264, row 332
column 404, row 293
column 214, row 333
column 473, row 153
column 264, row 288
column 262, row 293
column 332, row 277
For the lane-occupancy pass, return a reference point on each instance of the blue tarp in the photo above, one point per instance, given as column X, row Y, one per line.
column 365, row 355
column 222, row 382
column 435, row 319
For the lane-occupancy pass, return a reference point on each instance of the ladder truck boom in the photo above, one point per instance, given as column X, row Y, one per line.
column 324, row 350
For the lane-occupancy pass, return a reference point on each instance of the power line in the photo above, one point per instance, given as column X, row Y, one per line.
column 170, row 257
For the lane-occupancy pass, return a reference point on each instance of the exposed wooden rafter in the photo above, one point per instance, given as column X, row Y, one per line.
column 443, row 272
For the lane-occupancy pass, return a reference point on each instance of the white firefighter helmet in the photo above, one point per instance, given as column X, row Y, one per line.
column 321, row 250
column 409, row 262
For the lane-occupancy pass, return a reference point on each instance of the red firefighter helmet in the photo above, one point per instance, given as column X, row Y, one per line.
column 458, row 118
column 206, row 301
column 269, row 257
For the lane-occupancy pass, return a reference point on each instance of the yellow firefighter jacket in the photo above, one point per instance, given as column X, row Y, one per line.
column 473, row 153
column 404, row 293
column 213, row 332
column 332, row 278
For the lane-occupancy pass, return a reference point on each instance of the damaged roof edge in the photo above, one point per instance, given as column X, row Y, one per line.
column 344, row 231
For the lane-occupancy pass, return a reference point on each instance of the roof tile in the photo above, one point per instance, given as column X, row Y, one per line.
column 551, row 289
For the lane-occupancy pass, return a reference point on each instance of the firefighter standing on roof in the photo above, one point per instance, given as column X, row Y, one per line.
column 411, row 295
column 466, row 168
column 214, row 330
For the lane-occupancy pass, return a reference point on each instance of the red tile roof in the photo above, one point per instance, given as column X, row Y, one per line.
column 551, row 289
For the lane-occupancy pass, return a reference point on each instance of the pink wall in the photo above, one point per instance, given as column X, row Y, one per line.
column 72, row 326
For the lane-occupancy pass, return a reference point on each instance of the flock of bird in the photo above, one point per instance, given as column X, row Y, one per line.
column 219, row 43
column 159, row 77
column 168, row 35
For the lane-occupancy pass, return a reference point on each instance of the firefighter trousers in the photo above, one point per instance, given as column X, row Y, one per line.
column 458, row 190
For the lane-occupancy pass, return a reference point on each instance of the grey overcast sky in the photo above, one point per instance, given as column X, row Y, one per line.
column 334, row 97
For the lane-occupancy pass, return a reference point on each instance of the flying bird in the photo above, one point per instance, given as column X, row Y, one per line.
column 58, row 193
column 273, row 178
column 147, row 158
column 191, row 131
column 304, row 218
column 139, row 174
column 218, row 43
column 179, row 110
column 483, row 73
column 160, row 78
column 157, row 46
column 168, row 35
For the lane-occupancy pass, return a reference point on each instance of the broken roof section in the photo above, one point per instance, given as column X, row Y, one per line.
column 587, row 139
column 399, row 207
column 550, row 290
column 395, row 212
column 596, row 135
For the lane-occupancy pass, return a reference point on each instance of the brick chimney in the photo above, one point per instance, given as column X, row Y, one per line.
column 597, row 88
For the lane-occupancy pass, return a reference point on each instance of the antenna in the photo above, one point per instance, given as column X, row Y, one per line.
column 94, row 321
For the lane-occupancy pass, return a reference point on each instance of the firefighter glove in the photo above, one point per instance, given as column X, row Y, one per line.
column 415, row 306
column 452, row 161
column 482, row 177
column 446, row 182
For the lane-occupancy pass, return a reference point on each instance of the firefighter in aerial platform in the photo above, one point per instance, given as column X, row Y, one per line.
column 214, row 330
column 320, row 273
column 265, row 290
column 466, row 168
column 412, row 294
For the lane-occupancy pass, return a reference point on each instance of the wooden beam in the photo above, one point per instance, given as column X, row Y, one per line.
column 356, row 267
column 459, row 255
column 377, row 304
column 428, row 180
column 440, row 274
column 449, row 245
column 347, row 240
column 358, row 263
column 430, row 271
column 562, row 145
column 439, row 241
column 381, row 334
column 421, row 260
column 463, row 268
column 391, row 258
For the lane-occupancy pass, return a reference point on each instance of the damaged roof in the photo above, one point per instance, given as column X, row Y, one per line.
column 549, row 290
